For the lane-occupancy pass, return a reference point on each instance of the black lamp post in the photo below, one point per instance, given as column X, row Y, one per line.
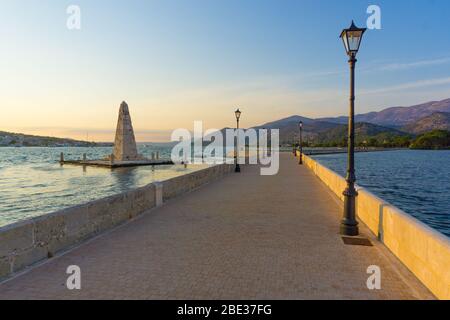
column 238, row 116
column 352, row 40
column 264, row 150
column 300, row 126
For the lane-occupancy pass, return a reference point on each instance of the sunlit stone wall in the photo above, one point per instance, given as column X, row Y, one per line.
column 423, row 250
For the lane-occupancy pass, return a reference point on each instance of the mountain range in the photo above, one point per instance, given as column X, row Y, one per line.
column 398, row 116
column 390, row 122
column 435, row 121
column 374, row 128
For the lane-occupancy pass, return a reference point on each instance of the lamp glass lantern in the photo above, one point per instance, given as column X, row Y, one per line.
column 352, row 39
column 238, row 114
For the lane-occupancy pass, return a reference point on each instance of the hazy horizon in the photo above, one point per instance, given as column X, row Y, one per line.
column 142, row 136
column 175, row 63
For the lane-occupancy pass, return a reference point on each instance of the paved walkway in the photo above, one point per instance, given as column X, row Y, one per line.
column 246, row 236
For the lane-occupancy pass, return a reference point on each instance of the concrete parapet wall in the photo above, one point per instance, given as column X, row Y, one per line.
column 25, row 243
column 423, row 250
column 186, row 183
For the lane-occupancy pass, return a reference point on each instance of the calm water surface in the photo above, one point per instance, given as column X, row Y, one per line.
column 33, row 183
column 418, row 182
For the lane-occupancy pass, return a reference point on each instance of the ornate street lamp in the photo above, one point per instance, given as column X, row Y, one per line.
column 237, row 168
column 352, row 40
column 300, row 126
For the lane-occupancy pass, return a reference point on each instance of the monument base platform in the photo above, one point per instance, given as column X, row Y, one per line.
column 118, row 164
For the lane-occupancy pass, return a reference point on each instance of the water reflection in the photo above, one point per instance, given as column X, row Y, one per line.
column 124, row 178
column 32, row 182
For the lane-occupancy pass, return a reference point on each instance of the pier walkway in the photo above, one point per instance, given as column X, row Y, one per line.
column 243, row 237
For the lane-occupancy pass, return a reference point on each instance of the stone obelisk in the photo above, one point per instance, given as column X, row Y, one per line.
column 125, row 143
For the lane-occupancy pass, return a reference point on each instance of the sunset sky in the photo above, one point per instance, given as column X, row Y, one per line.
column 179, row 61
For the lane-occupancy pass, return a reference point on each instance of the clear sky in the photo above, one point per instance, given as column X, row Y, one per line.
column 179, row 61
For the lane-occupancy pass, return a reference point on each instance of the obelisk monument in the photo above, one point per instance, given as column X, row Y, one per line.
column 125, row 143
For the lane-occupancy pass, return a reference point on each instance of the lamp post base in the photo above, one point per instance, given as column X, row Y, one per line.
column 349, row 225
column 348, row 230
column 237, row 169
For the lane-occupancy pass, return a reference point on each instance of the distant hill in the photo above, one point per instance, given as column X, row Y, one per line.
column 436, row 121
column 338, row 120
column 434, row 140
column 293, row 123
column 397, row 116
column 8, row 139
column 289, row 128
column 386, row 125
column 319, row 132
column 365, row 133
column 293, row 120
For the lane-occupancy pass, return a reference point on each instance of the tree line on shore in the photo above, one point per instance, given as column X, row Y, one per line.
column 433, row 140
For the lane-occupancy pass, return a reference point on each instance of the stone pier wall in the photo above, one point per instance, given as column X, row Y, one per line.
column 423, row 250
column 25, row 243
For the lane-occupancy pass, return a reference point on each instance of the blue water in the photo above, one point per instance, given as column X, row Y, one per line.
column 418, row 182
column 33, row 183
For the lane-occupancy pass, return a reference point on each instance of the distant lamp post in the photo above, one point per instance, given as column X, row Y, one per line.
column 238, row 116
column 352, row 39
column 264, row 150
column 300, row 126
